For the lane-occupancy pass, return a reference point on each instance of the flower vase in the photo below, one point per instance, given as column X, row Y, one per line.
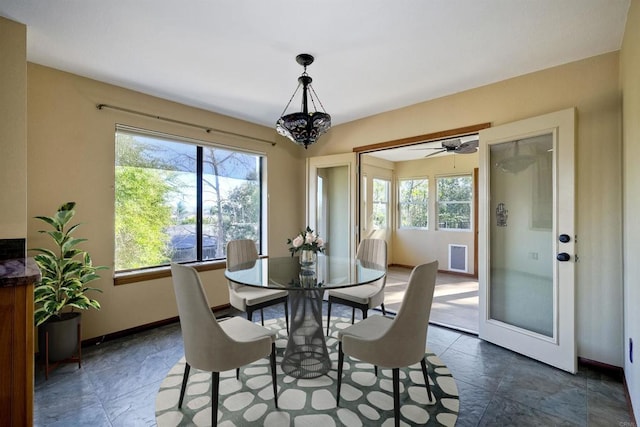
column 308, row 261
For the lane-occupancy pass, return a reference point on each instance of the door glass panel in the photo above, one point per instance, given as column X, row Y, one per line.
column 521, row 239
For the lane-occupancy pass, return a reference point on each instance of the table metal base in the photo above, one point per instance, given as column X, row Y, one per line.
column 306, row 355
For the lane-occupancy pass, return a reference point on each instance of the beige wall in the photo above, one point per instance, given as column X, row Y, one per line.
column 13, row 130
column 71, row 158
column 630, row 82
column 590, row 85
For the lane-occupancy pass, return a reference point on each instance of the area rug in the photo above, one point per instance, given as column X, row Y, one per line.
column 366, row 400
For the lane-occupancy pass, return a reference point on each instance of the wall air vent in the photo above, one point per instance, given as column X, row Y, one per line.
column 458, row 258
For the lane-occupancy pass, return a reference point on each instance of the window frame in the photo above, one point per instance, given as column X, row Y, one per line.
column 153, row 272
column 399, row 181
column 438, row 202
column 386, row 203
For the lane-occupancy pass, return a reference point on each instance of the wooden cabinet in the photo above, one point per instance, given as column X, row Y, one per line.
column 17, row 278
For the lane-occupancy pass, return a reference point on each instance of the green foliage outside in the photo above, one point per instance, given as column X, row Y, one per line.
column 142, row 209
column 241, row 210
column 414, row 203
column 142, row 215
column 154, row 182
column 380, row 203
column 454, row 202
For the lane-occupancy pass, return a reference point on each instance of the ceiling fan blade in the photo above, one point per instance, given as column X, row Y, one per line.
column 467, row 147
column 427, row 148
column 440, row 150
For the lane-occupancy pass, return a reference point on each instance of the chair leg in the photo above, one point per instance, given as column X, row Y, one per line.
column 365, row 313
column 328, row 315
column 353, row 315
column 384, row 312
column 237, row 373
column 375, row 369
column 396, row 396
column 261, row 317
column 340, row 361
column 249, row 314
column 423, row 363
column 272, row 359
column 185, row 378
column 215, row 394
column 286, row 314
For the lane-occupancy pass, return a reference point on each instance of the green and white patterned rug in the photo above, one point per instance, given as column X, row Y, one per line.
column 365, row 400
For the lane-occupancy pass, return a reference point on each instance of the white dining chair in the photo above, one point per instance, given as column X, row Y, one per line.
column 363, row 297
column 398, row 342
column 248, row 298
column 215, row 346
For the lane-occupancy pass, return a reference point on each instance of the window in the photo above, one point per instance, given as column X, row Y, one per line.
column 380, row 203
column 454, row 202
column 413, row 203
column 177, row 200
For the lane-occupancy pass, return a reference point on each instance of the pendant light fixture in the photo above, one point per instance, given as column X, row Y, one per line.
column 305, row 127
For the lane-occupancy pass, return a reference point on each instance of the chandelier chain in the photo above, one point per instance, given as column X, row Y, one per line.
column 291, row 99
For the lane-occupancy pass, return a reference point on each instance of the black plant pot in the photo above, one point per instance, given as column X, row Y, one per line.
column 60, row 338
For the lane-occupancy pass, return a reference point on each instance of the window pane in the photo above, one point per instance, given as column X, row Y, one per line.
column 231, row 199
column 413, row 197
column 380, row 203
column 161, row 195
column 155, row 187
column 454, row 202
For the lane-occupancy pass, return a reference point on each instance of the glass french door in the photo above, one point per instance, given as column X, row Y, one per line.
column 331, row 198
column 527, row 238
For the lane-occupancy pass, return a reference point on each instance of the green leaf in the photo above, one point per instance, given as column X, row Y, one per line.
column 68, row 245
column 40, row 316
column 50, row 221
column 68, row 206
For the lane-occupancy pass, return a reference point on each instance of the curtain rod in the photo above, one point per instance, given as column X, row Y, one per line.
column 207, row 129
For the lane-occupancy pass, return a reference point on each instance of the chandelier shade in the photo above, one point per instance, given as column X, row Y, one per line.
column 304, row 127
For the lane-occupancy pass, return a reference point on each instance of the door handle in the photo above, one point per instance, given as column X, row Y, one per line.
column 563, row 256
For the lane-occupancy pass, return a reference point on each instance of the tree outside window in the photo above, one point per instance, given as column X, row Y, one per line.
column 454, row 202
column 179, row 201
column 413, row 203
column 380, row 218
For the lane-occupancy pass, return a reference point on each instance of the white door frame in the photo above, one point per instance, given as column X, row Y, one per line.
column 560, row 349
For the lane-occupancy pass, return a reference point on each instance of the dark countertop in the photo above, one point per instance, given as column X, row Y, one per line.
column 18, row 272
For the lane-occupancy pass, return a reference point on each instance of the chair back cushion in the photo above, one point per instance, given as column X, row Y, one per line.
column 409, row 328
column 374, row 251
column 204, row 339
column 400, row 341
column 240, row 252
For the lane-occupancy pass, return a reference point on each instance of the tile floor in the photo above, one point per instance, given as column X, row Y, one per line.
column 119, row 379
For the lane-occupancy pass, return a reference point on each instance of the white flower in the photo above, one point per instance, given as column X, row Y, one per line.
column 309, row 238
column 297, row 242
column 320, row 242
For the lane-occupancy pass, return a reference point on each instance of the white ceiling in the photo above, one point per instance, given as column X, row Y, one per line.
column 237, row 57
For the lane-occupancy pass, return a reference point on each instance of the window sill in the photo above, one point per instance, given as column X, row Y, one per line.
column 125, row 278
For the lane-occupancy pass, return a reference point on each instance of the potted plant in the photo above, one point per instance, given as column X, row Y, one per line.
column 66, row 271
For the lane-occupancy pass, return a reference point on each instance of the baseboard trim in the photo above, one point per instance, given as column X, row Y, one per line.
column 453, row 273
column 605, row 368
column 614, row 371
column 141, row 328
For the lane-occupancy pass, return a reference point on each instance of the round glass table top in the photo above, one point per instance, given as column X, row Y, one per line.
column 329, row 272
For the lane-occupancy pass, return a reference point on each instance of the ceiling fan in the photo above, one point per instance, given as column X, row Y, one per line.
column 453, row 146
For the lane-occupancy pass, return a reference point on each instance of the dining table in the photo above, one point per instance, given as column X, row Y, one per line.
column 306, row 354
